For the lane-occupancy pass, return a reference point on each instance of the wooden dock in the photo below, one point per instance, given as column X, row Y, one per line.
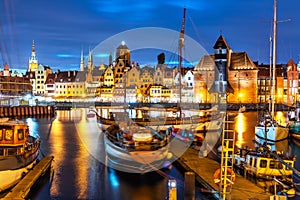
column 21, row 190
column 204, row 169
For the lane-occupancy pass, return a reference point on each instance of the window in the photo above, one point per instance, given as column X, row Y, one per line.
column 263, row 164
column 1, row 135
column 9, row 135
column 20, row 134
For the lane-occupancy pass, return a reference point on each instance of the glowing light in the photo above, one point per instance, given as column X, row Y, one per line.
column 113, row 179
column 172, row 183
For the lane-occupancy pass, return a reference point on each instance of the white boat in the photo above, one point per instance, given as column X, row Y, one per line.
column 136, row 149
column 272, row 134
column 18, row 152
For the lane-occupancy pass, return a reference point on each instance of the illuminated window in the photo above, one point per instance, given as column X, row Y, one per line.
column 20, row 134
column 8, row 135
column 1, row 135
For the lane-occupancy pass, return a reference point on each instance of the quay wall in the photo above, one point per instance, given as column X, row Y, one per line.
column 197, row 106
column 27, row 111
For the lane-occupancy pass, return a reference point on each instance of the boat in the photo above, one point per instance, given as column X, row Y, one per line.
column 91, row 114
column 268, row 131
column 19, row 152
column 294, row 129
column 136, row 149
column 294, row 125
column 267, row 168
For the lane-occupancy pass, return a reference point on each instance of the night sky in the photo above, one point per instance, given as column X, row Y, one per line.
column 62, row 28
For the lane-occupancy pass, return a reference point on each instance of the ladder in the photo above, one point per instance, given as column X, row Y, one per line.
column 227, row 175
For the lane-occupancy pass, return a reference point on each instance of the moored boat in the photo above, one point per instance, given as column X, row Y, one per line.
column 19, row 152
column 269, row 132
column 136, row 149
column 294, row 130
column 267, row 167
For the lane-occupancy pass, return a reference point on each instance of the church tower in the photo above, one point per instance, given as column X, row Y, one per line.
column 82, row 62
column 90, row 65
column 33, row 62
column 123, row 53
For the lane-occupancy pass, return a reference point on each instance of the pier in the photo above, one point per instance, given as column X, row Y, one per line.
column 204, row 169
column 22, row 189
column 27, row 111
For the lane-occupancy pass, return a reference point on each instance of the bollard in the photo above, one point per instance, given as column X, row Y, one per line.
column 189, row 186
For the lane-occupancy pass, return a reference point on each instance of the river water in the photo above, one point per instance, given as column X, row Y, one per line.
column 78, row 170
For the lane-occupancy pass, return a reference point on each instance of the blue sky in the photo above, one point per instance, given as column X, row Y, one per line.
column 62, row 28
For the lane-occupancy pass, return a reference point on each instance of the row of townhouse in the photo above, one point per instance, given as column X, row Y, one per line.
column 224, row 72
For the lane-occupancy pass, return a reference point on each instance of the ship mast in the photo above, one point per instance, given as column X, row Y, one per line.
column 274, row 55
column 180, row 46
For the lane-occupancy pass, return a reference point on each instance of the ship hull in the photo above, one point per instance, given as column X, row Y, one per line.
column 276, row 137
column 14, row 168
column 136, row 161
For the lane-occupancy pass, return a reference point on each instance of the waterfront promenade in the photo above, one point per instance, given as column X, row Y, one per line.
column 204, row 169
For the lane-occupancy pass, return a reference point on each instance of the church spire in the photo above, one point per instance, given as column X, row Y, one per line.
column 32, row 47
column 90, row 60
column 82, row 61
column 110, row 59
column 33, row 62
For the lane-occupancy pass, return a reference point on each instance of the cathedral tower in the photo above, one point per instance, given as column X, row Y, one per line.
column 33, row 62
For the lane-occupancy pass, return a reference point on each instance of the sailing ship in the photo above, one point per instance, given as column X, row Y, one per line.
column 19, row 152
column 136, row 149
column 268, row 131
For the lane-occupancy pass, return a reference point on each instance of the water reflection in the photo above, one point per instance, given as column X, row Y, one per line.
column 240, row 123
column 77, row 147
column 76, row 144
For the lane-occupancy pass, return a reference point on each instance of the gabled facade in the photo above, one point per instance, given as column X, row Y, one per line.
column 70, row 84
column 292, row 82
column 108, row 77
column 146, row 79
column 40, row 78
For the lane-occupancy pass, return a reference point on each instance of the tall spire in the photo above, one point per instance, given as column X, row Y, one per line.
column 82, row 61
column 90, row 60
column 33, row 62
column 32, row 48
column 110, row 59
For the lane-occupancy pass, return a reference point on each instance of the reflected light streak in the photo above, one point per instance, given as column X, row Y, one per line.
column 57, row 148
column 240, row 129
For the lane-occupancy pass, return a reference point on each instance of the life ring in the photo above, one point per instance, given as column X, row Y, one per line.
column 217, row 176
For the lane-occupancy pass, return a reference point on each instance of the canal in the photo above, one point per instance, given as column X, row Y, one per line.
column 78, row 169
column 79, row 172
